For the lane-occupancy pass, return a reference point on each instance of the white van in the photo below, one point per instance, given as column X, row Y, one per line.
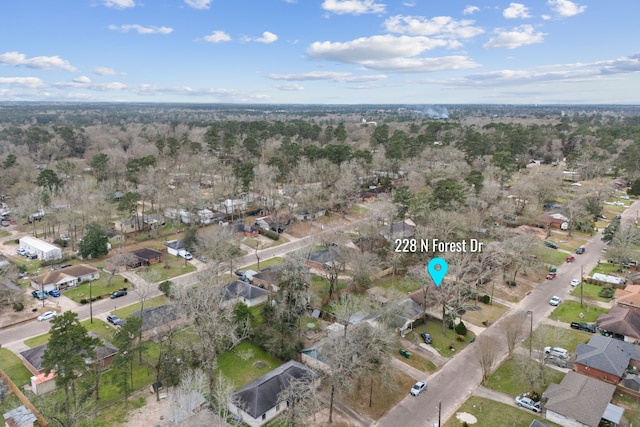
column 185, row 254
column 557, row 352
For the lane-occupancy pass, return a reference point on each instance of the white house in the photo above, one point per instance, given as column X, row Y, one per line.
column 65, row 278
column 45, row 250
column 174, row 246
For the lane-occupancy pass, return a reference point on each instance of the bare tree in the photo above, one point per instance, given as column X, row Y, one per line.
column 347, row 307
column 117, row 262
column 301, row 400
column 486, row 352
column 220, row 245
column 511, row 328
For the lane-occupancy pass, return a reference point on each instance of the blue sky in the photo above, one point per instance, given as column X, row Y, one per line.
column 321, row 51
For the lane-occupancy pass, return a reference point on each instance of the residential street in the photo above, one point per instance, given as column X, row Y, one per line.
column 460, row 377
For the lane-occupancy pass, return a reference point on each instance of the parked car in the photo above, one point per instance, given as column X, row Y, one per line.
column 32, row 256
column 584, row 326
column 426, row 338
column 526, row 402
column 39, row 295
column 115, row 320
column 558, row 361
column 550, row 244
column 418, row 388
column 552, row 275
column 54, row 293
column 118, row 294
column 575, row 282
column 557, row 352
column 185, row 254
column 47, row 315
column 580, row 250
column 21, row 251
column 555, row 300
column 571, row 258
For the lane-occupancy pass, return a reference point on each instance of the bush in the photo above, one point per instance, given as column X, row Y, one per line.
column 61, row 243
column 165, row 287
column 461, row 329
column 270, row 234
column 512, row 283
column 18, row 306
column 125, row 280
column 84, row 301
column 486, row 299
column 606, row 292
column 460, row 338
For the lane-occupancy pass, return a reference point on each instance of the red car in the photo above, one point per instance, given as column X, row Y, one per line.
column 571, row 258
column 551, row 276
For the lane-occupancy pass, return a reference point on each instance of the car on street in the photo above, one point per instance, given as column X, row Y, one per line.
column 575, row 282
column 418, row 388
column 558, row 361
column 39, row 295
column 426, row 338
column 550, row 244
column 115, row 320
column 526, row 402
column 47, row 315
column 551, row 275
column 580, row 250
column 555, row 300
column 571, row 258
column 557, row 352
column 54, row 293
column 584, row 326
column 21, row 251
column 118, row 294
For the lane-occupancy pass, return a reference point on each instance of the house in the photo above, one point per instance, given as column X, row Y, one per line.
column 324, row 258
column 45, row 250
column 174, row 246
column 239, row 291
column 267, row 278
column 64, row 278
column 406, row 312
column 606, row 358
column 230, row 206
column 19, row 417
column 549, row 221
column 146, row 256
column 184, row 405
column 257, row 403
column 629, row 297
column 157, row 318
column 309, row 214
column 578, row 401
column 621, row 323
column 246, row 230
column 399, row 230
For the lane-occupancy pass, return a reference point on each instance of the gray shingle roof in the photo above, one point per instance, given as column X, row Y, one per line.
column 580, row 398
column 621, row 321
column 606, row 354
column 262, row 394
column 239, row 289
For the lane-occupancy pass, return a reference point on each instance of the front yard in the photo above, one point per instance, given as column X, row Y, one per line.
column 494, row 414
column 570, row 311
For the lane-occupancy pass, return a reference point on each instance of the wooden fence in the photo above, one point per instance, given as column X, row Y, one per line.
column 24, row 399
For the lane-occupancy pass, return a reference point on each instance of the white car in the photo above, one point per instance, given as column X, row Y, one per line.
column 575, row 282
column 47, row 315
column 21, row 251
column 555, row 300
column 528, row 403
column 557, row 352
column 418, row 388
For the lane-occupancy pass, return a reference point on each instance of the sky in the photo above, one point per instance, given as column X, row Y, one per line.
column 321, row 51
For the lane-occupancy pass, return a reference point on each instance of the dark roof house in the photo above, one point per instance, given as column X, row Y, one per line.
column 605, row 358
column 239, row 291
column 623, row 323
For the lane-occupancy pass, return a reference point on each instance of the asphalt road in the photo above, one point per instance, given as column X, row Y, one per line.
column 461, row 376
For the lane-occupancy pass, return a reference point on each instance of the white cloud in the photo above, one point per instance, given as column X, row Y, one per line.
column 520, row 36
column 105, row 71
column 515, row 11
column 335, row 76
column 140, row 29
column 469, row 10
column 290, row 87
column 353, row 7
column 267, row 38
column 41, row 62
column 566, row 7
column 439, row 26
column 29, row 82
column 217, row 37
column 198, row 4
column 82, row 80
column 119, row 4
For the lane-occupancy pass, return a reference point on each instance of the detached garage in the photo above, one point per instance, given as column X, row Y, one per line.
column 45, row 250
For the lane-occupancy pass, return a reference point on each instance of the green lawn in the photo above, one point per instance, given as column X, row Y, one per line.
column 495, row 414
column 558, row 336
column 12, row 365
column 320, row 287
column 569, row 311
column 245, row 363
column 149, row 303
column 402, row 284
column 442, row 343
column 606, row 268
column 99, row 288
column 506, row 378
column 417, row 361
column 264, row 264
column 549, row 256
column 159, row 272
column 589, row 292
column 102, row 329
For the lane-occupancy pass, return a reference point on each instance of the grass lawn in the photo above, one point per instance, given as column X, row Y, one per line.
column 606, row 268
column 417, row 361
column 442, row 343
column 12, row 366
column 631, row 407
column 99, row 288
column 490, row 312
column 320, row 287
column 264, row 264
column 495, row 414
column 149, row 303
column 589, row 292
column 245, row 363
column 549, row 256
column 402, row 284
column 562, row 337
column 159, row 273
column 102, row 329
column 386, row 393
column 506, row 378
column 569, row 311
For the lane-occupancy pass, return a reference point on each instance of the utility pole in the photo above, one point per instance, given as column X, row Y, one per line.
column 530, row 313
column 581, row 285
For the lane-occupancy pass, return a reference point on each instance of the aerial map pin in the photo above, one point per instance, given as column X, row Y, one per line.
column 437, row 269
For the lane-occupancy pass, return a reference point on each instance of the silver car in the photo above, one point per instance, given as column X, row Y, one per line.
column 528, row 403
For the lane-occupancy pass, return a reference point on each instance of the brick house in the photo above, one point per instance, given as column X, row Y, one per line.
column 606, row 358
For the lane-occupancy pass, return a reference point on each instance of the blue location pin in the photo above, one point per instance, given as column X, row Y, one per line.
column 437, row 269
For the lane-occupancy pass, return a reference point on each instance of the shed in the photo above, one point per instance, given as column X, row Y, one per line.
column 45, row 250
column 19, row 417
